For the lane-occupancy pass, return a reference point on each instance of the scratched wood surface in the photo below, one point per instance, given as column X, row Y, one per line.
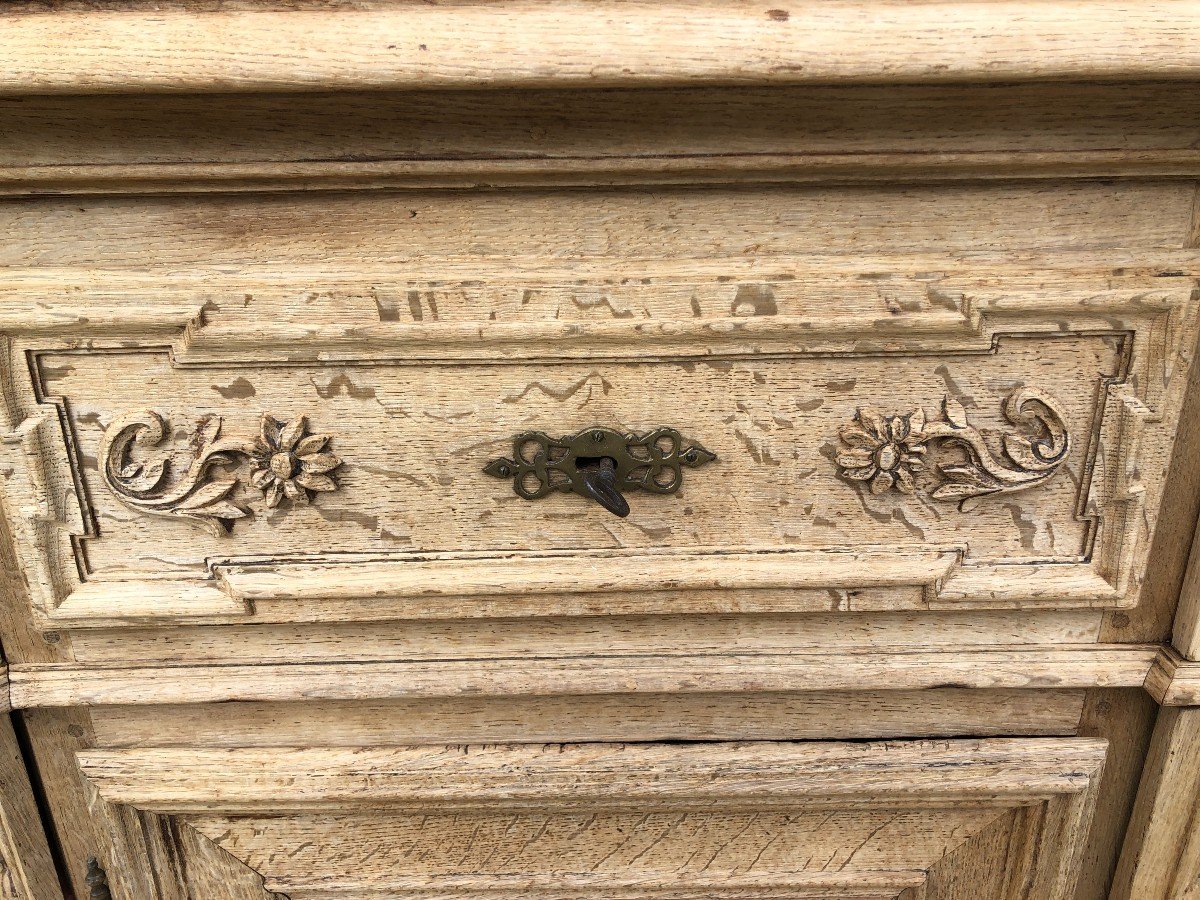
column 531, row 43
column 139, row 143
column 415, row 444
column 771, row 404
column 629, row 821
column 419, row 685
column 364, row 230
column 26, row 867
column 1161, row 856
column 944, row 712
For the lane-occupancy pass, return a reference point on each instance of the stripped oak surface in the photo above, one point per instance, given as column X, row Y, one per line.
column 633, row 821
column 1161, row 856
column 250, row 710
column 533, row 43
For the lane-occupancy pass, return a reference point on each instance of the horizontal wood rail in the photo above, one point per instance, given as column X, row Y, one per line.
column 407, row 174
column 507, row 777
column 600, row 43
column 1083, row 666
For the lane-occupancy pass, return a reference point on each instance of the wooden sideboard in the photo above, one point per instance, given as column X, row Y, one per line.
column 600, row 450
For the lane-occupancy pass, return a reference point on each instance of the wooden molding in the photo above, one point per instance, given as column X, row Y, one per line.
column 437, row 139
column 888, row 816
column 35, row 685
column 402, row 174
column 1166, row 676
column 1174, row 680
column 532, row 44
column 285, row 779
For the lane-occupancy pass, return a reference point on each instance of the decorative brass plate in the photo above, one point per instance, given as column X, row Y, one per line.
column 599, row 463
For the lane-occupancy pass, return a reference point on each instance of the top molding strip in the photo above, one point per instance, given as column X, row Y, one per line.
column 597, row 43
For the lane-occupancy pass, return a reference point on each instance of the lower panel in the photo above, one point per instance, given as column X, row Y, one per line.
column 917, row 820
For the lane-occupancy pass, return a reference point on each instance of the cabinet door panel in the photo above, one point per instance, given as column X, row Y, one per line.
column 1002, row 818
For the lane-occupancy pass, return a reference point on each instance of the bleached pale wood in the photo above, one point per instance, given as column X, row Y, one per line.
column 539, row 44
column 464, row 578
column 1161, row 856
column 632, row 821
column 834, row 628
column 752, row 715
column 81, row 822
column 702, row 206
column 181, row 864
column 26, row 867
column 1174, row 680
column 961, row 315
column 144, row 857
column 434, row 229
column 1125, row 718
column 1084, row 666
column 599, row 775
column 1186, row 591
column 1186, row 629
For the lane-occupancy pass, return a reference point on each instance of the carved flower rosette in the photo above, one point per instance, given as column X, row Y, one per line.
column 889, row 452
column 285, row 462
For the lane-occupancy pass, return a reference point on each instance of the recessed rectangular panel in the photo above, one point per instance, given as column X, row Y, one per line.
column 910, row 439
column 838, row 821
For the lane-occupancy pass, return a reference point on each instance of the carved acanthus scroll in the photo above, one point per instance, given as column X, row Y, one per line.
column 887, row 452
column 285, row 463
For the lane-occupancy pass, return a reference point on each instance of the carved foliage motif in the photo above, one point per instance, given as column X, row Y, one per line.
column 887, row 452
column 285, row 462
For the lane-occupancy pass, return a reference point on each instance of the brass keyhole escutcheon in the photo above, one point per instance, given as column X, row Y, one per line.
column 599, row 463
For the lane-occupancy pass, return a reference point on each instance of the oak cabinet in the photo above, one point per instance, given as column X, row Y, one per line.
column 605, row 450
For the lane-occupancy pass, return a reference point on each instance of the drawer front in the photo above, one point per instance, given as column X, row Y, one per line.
column 910, row 437
column 916, row 819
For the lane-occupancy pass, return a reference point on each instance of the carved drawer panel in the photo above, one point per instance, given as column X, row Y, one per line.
column 978, row 437
column 917, row 819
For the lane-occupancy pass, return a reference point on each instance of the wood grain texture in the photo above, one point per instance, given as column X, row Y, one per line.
column 80, row 823
column 598, row 775
column 964, row 336
column 421, row 139
column 1125, row 718
column 1032, row 667
column 1167, row 587
column 538, row 44
column 181, row 136
column 419, row 232
column 1161, row 855
column 760, row 716
column 1174, row 680
column 20, row 639
column 27, row 871
column 1186, row 630
column 748, row 232
column 593, row 635
column 626, row 821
